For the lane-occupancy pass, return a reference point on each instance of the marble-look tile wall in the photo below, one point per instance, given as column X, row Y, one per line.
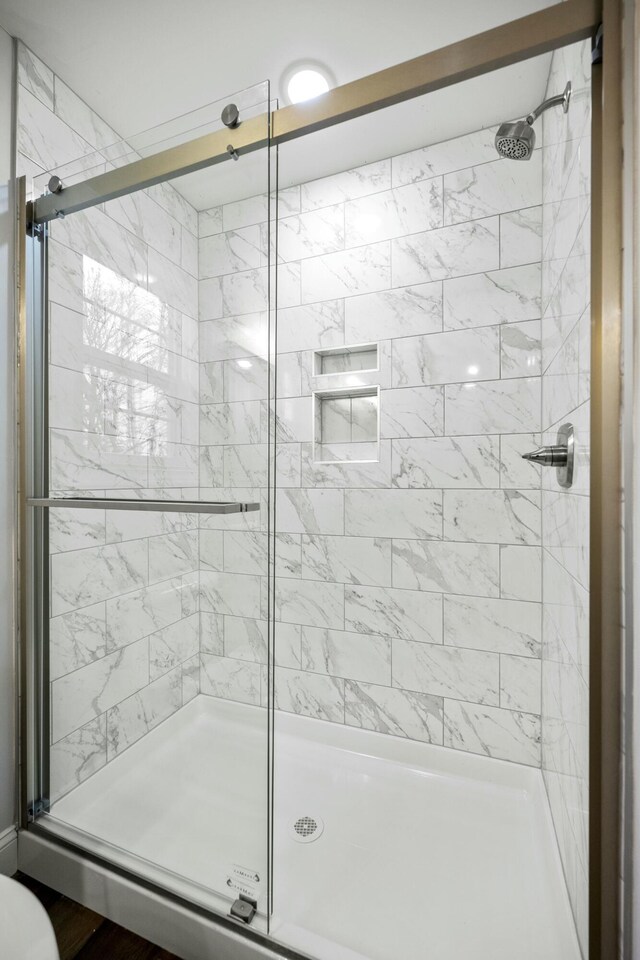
column 124, row 421
column 409, row 580
column 565, row 513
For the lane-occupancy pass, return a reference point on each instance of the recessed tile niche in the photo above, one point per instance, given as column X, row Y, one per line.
column 346, row 417
column 362, row 357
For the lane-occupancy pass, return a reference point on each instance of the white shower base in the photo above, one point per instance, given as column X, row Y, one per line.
column 426, row 854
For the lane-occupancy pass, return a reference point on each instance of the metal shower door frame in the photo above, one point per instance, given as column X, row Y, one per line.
column 541, row 32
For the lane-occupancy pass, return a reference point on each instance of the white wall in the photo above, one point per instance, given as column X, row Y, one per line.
column 7, row 485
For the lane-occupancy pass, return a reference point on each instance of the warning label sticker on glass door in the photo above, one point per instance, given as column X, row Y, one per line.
column 244, row 880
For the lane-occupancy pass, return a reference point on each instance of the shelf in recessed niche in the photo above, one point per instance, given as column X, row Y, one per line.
column 360, row 358
column 346, row 425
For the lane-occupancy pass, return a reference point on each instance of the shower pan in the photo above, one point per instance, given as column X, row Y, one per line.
column 306, row 622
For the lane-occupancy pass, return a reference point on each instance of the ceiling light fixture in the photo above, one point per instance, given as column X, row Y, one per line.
column 306, row 80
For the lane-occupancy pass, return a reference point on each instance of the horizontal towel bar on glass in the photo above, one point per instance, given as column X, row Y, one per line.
column 162, row 506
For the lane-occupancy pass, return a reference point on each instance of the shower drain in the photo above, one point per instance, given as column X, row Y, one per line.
column 307, row 829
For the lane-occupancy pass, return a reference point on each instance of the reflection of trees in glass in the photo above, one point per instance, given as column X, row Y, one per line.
column 132, row 342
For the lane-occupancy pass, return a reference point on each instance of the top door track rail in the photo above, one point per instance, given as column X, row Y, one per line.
column 501, row 46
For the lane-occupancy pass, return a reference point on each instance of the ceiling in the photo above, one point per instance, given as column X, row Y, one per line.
column 139, row 63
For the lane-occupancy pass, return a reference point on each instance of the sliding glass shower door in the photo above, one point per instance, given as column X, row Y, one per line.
column 431, row 662
column 149, row 503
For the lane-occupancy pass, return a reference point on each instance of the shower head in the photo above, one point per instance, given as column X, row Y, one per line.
column 516, row 139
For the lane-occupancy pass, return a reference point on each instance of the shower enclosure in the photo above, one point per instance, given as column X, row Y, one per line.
column 308, row 637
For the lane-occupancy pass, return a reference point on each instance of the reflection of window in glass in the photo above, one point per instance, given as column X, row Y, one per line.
column 131, row 344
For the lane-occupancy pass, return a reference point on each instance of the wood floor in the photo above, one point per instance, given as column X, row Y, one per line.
column 85, row 935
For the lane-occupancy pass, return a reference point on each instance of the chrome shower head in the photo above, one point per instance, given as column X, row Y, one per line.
column 516, row 139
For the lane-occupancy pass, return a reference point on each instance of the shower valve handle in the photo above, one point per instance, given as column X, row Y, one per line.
column 553, row 456
column 560, row 455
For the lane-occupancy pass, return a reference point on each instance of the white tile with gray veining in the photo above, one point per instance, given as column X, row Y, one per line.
column 520, row 572
column 75, row 529
column 230, row 422
column 311, row 326
column 393, row 513
column 83, row 577
column 135, row 716
column 493, row 516
column 44, row 138
column 445, row 567
column 490, row 188
column 412, row 411
column 212, row 627
column 310, row 511
column 491, row 732
column 170, row 647
column 210, row 222
column 78, row 116
column 444, row 157
column 394, row 213
column 408, row 614
column 112, row 247
column 498, row 406
column 520, row 349
column 520, row 684
column 403, row 312
column 362, row 269
column 136, row 614
column 354, row 656
column 446, row 357
column 229, row 252
column 190, row 679
column 449, row 252
column 230, row 679
column 245, row 551
column 514, row 470
column 348, row 185
column 246, row 639
column 310, row 694
column 172, row 555
column 35, row 76
column 76, row 639
column 80, row 696
column 499, row 296
column 401, row 713
column 311, row 234
column 232, row 594
column 361, row 560
column 501, row 626
column 76, row 757
column 310, row 602
column 147, row 220
column 446, row 462
column 242, row 465
column 521, row 237
column 243, row 213
column 446, row 672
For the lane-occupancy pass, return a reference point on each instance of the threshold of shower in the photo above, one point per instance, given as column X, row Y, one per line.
column 452, row 856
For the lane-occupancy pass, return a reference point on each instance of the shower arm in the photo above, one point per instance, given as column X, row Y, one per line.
column 562, row 99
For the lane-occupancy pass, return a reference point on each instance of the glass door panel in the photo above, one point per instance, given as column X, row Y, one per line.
column 431, row 589
column 153, row 512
